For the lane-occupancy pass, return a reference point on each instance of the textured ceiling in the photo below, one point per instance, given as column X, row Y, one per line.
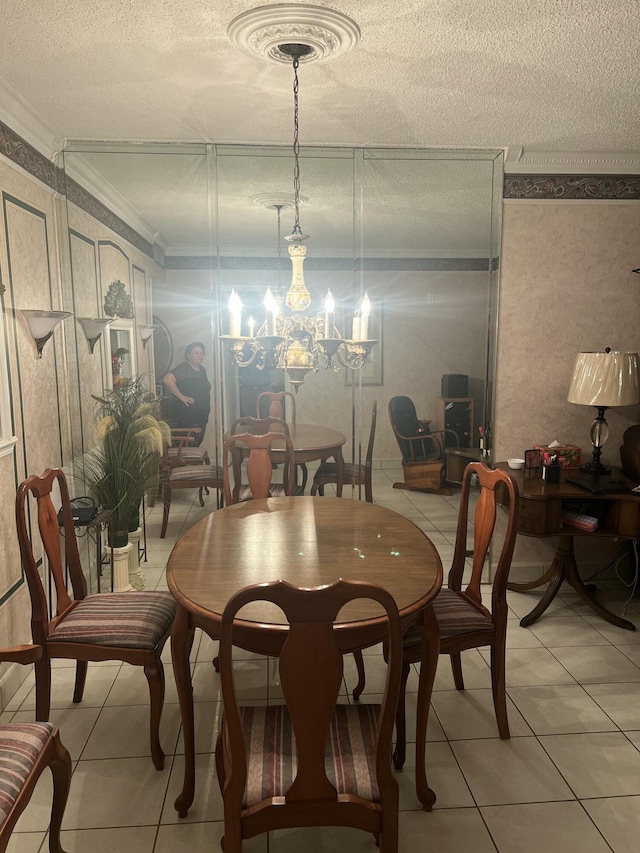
column 555, row 82
column 554, row 75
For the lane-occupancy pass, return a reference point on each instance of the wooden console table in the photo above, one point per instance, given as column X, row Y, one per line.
column 541, row 507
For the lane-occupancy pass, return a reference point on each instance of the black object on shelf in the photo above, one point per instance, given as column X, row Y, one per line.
column 454, row 385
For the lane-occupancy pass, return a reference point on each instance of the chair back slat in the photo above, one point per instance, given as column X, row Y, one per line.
column 278, row 403
column 311, row 670
column 484, row 524
column 47, row 520
column 259, row 465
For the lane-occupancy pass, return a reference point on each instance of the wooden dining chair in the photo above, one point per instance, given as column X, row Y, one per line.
column 464, row 621
column 318, row 762
column 184, row 450
column 26, row 750
column 354, row 472
column 279, row 401
column 131, row 627
column 176, row 474
column 259, row 466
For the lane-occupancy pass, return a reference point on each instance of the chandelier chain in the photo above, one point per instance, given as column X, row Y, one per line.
column 296, row 147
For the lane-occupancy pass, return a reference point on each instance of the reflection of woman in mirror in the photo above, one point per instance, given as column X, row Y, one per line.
column 189, row 384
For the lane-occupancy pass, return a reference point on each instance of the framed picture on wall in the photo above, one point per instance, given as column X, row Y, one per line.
column 371, row 373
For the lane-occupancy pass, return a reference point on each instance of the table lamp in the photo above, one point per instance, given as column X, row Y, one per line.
column 603, row 379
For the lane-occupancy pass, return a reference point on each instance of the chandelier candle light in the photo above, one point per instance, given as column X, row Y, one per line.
column 295, row 342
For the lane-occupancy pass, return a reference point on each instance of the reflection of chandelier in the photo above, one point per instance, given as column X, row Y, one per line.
column 295, row 342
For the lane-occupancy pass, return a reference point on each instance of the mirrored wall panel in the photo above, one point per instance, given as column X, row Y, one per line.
column 196, row 234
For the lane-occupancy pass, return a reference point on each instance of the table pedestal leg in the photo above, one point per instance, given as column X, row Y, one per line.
column 564, row 568
column 428, row 666
column 181, row 642
column 340, row 466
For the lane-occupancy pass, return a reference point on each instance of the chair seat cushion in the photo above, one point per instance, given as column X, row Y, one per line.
column 136, row 620
column 20, row 746
column 188, row 455
column 201, row 473
column 272, row 761
column 455, row 615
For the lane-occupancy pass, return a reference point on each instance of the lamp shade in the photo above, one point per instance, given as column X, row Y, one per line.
column 41, row 325
column 605, row 379
column 93, row 327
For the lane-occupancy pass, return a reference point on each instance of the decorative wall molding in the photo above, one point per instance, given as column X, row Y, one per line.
column 208, row 262
column 20, row 152
column 569, row 187
column 16, row 149
column 526, row 161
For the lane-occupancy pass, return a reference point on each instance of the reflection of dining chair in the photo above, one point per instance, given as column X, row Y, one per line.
column 422, row 449
column 354, row 473
column 277, row 402
column 176, row 475
column 259, row 466
column 26, row 750
column 463, row 620
column 316, row 762
column 131, row 627
column 182, row 452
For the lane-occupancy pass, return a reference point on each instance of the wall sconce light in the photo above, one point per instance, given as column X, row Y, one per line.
column 93, row 327
column 146, row 333
column 42, row 324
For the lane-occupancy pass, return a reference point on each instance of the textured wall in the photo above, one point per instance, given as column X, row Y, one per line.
column 566, row 286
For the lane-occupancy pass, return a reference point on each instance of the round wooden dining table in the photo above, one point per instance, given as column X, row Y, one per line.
column 308, row 541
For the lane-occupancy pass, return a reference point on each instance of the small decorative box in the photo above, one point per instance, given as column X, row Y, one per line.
column 567, row 454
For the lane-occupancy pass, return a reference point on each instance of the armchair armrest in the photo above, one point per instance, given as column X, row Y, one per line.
column 27, row 653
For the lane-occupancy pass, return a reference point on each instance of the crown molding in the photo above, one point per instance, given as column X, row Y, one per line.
column 24, row 122
column 530, row 161
column 86, row 176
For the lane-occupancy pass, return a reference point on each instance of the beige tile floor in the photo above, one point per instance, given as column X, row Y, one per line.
column 568, row 780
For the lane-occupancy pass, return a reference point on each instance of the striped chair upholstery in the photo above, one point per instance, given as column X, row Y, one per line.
column 187, row 456
column 134, row 619
column 271, row 752
column 278, row 779
column 20, row 746
column 456, row 615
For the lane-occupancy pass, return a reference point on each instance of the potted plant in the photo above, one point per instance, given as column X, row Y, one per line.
column 123, row 466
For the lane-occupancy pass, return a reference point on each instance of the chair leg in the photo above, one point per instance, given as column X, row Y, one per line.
column 400, row 752
column 166, row 499
column 155, row 677
column 499, row 691
column 200, row 491
column 357, row 656
column 81, row 677
column 43, row 689
column 61, row 772
column 456, row 668
column 314, row 488
column 305, row 475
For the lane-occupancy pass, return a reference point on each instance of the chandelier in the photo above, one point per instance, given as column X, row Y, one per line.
column 296, row 342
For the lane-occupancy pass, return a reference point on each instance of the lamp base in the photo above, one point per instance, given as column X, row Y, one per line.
column 596, row 469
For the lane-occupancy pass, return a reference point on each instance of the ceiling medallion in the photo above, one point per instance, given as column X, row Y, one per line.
column 273, row 201
column 260, row 32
